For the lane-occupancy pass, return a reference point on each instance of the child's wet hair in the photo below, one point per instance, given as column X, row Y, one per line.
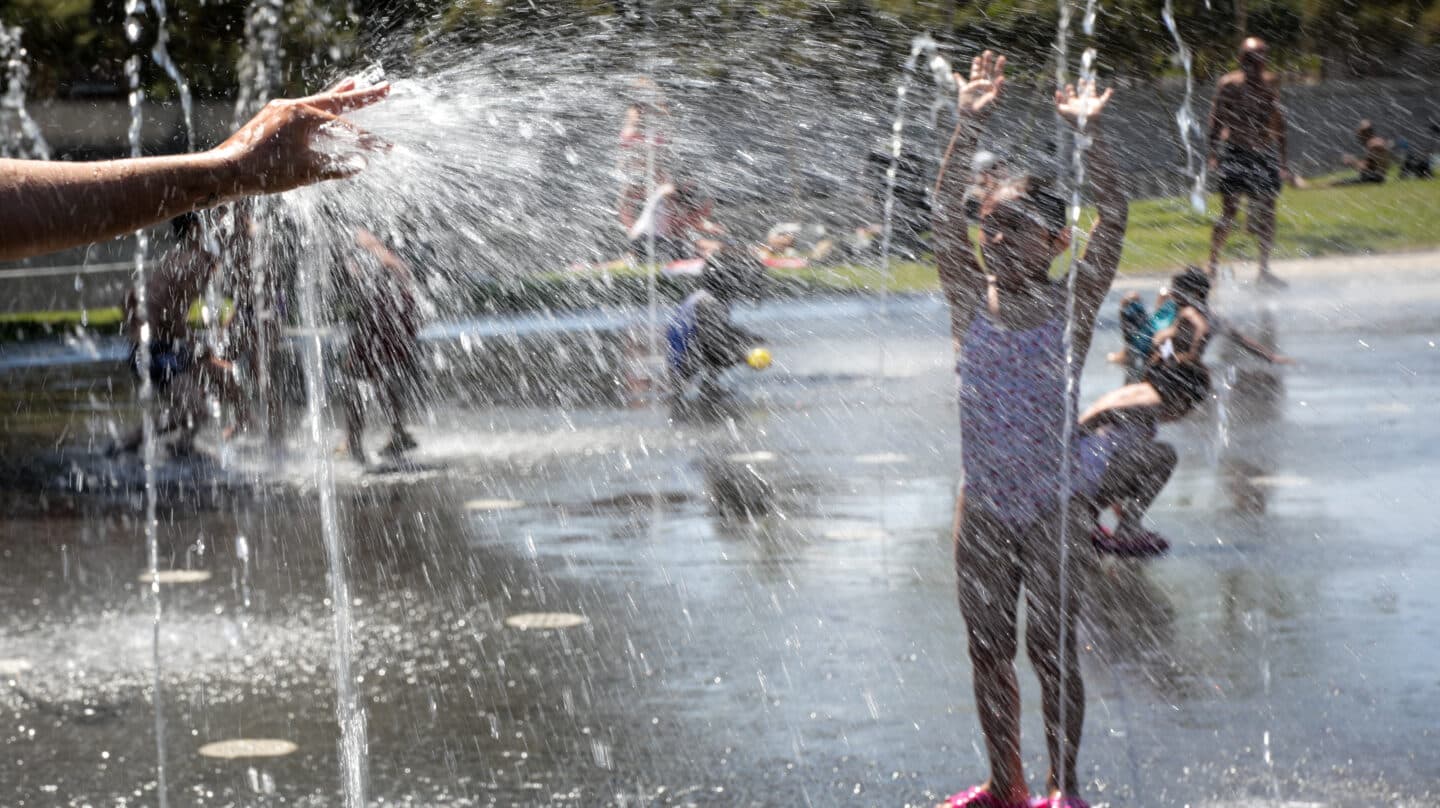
column 1032, row 193
column 1191, row 286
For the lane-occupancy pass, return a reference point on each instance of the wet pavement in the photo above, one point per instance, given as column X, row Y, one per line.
column 767, row 601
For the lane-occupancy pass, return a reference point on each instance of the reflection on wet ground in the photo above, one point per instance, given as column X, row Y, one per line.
column 595, row 606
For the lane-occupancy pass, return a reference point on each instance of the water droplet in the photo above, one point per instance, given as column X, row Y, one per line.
column 545, row 621
column 493, row 504
column 175, row 576
column 240, row 748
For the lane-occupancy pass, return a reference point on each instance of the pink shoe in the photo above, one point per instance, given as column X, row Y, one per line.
column 975, row 797
column 1140, row 544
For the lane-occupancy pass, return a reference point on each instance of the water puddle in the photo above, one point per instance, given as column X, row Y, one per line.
column 244, row 748
column 545, row 621
column 175, row 577
column 751, row 458
column 486, row 505
column 855, row 533
column 14, row 667
column 882, row 459
column 1280, row 481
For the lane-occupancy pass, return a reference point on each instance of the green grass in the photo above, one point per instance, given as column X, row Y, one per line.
column 1164, row 235
column 23, row 325
column 20, row 326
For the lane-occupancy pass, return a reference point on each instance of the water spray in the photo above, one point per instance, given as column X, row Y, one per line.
column 1184, row 119
column 354, row 744
column 14, row 136
column 918, row 47
column 1072, row 374
column 134, row 27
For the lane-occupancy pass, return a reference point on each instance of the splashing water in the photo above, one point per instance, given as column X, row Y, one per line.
column 160, row 54
column 1072, row 363
column 353, row 744
column 259, row 73
column 134, row 28
column 1185, row 121
column 897, row 141
column 259, row 69
column 19, row 134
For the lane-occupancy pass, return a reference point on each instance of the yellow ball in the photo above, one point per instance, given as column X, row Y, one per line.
column 758, row 359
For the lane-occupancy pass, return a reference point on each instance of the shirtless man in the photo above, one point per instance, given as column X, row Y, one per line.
column 1247, row 152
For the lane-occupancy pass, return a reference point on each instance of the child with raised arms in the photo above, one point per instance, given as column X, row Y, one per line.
column 1008, row 319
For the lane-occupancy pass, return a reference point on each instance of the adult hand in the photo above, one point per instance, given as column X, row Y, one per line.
column 1081, row 102
column 276, row 152
column 987, row 78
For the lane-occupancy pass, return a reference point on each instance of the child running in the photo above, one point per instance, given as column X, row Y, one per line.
column 1008, row 319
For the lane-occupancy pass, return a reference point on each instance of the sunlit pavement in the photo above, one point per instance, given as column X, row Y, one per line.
column 597, row 607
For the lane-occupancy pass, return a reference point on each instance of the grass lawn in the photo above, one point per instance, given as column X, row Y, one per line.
column 23, row 325
column 1166, row 234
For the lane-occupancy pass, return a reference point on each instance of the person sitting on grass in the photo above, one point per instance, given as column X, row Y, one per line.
column 1374, row 163
column 1010, row 322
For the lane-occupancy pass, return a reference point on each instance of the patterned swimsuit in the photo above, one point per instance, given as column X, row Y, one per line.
column 1012, row 413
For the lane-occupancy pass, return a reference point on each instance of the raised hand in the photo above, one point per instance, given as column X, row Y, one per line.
column 275, row 151
column 1081, row 102
column 978, row 93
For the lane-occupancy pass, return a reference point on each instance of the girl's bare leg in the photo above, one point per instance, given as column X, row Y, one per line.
column 988, row 576
column 1047, row 611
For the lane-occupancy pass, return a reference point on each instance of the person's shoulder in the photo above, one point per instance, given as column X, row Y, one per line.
column 1272, row 83
column 1231, row 80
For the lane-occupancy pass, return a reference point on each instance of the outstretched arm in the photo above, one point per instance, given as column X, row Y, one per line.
column 1084, row 106
column 1253, row 346
column 960, row 275
column 49, row 206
